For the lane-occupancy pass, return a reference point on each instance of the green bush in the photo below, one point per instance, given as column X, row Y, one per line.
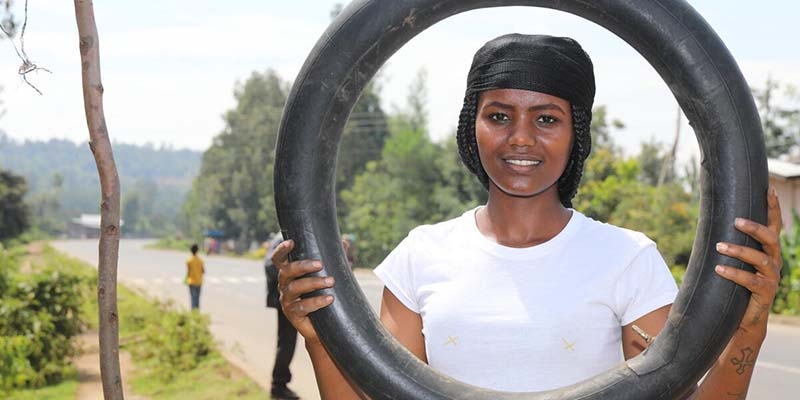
column 173, row 243
column 678, row 272
column 16, row 370
column 40, row 313
column 175, row 342
column 787, row 299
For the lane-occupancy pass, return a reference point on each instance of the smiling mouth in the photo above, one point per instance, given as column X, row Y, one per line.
column 524, row 163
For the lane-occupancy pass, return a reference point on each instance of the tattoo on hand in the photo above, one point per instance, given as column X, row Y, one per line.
column 747, row 360
column 757, row 318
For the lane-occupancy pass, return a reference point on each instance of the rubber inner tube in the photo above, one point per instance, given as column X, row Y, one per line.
column 710, row 89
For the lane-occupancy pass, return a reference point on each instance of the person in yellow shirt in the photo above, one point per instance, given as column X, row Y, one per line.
column 194, row 276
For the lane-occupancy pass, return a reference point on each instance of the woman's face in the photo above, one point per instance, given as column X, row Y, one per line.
column 524, row 140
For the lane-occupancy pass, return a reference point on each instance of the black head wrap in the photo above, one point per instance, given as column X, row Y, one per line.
column 552, row 65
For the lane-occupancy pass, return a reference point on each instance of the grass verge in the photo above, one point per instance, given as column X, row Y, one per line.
column 173, row 353
column 64, row 390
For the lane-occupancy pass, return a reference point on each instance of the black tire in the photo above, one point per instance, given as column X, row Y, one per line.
column 707, row 83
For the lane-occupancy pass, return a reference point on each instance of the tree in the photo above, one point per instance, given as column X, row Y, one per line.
column 656, row 164
column 337, row 8
column 46, row 207
column 363, row 137
column 787, row 299
column 392, row 195
column 7, row 21
column 14, row 213
column 417, row 117
column 665, row 214
column 140, row 212
column 781, row 123
column 601, row 128
column 606, row 176
column 234, row 190
column 625, row 192
column 416, row 181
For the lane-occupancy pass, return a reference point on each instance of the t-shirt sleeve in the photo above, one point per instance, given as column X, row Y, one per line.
column 646, row 285
column 396, row 272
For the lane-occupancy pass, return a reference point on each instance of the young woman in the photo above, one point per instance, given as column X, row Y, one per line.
column 526, row 277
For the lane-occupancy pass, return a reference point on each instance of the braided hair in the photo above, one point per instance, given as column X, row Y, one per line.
column 571, row 177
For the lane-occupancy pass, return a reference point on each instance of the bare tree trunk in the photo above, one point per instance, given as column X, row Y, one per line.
column 668, row 164
column 109, row 206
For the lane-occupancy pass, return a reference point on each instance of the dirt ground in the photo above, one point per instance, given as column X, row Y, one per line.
column 88, row 364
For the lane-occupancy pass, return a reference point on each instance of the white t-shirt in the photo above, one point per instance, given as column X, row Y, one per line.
column 526, row 319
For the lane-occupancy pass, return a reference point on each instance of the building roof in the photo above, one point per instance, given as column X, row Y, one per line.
column 783, row 169
column 90, row 221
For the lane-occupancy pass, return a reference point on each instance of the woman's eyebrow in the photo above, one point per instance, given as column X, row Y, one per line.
column 538, row 107
column 548, row 106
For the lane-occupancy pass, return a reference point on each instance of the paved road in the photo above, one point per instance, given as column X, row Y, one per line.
column 233, row 295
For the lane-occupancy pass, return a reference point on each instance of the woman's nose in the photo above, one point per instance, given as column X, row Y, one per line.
column 522, row 134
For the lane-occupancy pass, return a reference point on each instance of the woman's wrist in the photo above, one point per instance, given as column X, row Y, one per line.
column 751, row 334
column 755, row 328
column 314, row 345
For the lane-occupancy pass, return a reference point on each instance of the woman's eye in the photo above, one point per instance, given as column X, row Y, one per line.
column 546, row 119
column 499, row 117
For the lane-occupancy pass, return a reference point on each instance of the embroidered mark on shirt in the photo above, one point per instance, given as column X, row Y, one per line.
column 451, row 340
column 568, row 345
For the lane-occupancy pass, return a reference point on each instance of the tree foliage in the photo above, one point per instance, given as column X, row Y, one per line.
column 233, row 191
column 787, row 300
column 41, row 311
column 14, row 213
column 7, row 20
column 142, row 214
column 416, row 181
column 780, row 117
column 654, row 161
column 362, row 139
column 623, row 191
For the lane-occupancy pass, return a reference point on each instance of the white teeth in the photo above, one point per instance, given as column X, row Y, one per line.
column 523, row 162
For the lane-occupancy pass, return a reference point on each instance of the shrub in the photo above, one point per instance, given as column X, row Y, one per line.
column 39, row 316
column 173, row 243
column 16, row 370
column 176, row 342
column 787, row 299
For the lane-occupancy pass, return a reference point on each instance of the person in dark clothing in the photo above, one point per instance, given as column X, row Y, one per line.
column 287, row 334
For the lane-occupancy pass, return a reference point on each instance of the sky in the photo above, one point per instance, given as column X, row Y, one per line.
column 169, row 67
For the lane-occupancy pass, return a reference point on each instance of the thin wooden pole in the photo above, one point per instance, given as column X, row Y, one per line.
column 110, row 201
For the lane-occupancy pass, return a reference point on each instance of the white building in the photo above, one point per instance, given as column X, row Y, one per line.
column 785, row 177
column 87, row 226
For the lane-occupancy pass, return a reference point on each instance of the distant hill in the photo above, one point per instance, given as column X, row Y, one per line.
column 63, row 181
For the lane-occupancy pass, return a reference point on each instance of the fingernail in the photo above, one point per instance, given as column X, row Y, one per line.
column 329, row 299
column 720, row 269
column 772, row 191
column 722, row 247
column 740, row 222
column 329, row 281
